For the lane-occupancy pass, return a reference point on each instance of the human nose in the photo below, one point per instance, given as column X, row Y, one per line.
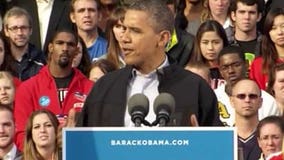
column 2, row 91
column 1, row 128
column 19, row 31
column 219, row 2
column 247, row 99
column 42, row 129
column 231, row 69
column 125, row 36
column 280, row 30
column 65, row 46
column 270, row 141
column 210, row 46
column 246, row 15
column 86, row 13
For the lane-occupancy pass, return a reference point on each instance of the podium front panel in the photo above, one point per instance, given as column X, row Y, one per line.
column 168, row 143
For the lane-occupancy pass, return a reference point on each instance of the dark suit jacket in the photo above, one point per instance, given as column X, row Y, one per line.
column 59, row 19
column 19, row 155
column 106, row 103
column 181, row 52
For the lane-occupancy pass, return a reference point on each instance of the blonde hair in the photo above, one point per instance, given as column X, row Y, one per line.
column 206, row 12
column 30, row 151
column 8, row 76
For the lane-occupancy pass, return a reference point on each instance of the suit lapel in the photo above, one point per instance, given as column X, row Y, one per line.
column 58, row 8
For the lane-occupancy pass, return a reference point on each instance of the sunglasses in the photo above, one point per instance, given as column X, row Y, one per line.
column 243, row 96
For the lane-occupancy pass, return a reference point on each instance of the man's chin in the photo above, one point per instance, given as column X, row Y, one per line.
column 21, row 45
column 63, row 64
column 128, row 61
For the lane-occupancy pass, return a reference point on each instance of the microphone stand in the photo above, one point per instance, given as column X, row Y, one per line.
column 137, row 122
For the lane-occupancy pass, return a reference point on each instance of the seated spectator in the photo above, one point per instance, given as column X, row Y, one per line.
column 57, row 87
column 107, row 7
column 270, row 132
column 114, row 31
column 26, row 59
column 233, row 68
column 5, row 59
column 82, row 60
column 7, row 89
column 276, row 84
column 48, row 16
column 272, row 47
column 218, row 11
column 99, row 68
column 246, row 34
column 8, row 149
column 85, row 14
column 41, row 136
column 209, row 41
column 246, row 100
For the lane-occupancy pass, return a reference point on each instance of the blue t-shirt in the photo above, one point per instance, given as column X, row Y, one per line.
column 98, row 48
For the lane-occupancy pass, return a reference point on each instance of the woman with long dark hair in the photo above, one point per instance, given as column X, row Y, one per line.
column 209, row 41
column 114, row 30
column 272, row 47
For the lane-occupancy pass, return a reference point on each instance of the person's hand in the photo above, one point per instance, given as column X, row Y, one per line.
column 71, row 119
column 59, row 136
column 71, row 122
column 194, row 121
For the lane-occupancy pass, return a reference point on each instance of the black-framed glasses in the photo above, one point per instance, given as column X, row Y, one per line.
column 233, row 65
column 243, row 96
column 16, row 28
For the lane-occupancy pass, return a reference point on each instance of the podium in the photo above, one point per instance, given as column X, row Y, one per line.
column 167, row 143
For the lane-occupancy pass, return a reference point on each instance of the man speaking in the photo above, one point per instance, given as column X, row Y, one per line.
column 149, row 71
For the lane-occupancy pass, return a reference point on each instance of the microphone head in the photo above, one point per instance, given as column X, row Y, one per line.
column 165, row 103
column 138, row 104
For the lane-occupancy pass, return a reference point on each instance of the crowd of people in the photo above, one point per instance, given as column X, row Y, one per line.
column 69, row 63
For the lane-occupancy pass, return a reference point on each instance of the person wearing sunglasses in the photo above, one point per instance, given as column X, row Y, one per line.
column 246, row 100
column 232, row 66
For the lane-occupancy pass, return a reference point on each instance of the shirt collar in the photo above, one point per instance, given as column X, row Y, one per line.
column 165, row 63
column 44, row 1
column 11, row 154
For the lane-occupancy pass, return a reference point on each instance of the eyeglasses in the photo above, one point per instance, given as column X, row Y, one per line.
column 16, row 28
column 243, row 96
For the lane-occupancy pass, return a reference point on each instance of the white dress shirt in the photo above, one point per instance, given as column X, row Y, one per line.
column 148, row 85
column 44, row 8
column 11, row 155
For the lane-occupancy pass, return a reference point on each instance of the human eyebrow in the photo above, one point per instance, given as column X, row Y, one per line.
column 135, row 29
column 69, row 43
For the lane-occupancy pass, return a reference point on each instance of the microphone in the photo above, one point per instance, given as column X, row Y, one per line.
column 138, row 108
column 164, row 106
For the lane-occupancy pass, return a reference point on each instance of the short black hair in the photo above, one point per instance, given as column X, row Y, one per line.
column 159, row 14
column 260, row 4
column 67, row 31
column 232, row 50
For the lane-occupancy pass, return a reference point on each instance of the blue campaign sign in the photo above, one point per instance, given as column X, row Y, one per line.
column 169, row 143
